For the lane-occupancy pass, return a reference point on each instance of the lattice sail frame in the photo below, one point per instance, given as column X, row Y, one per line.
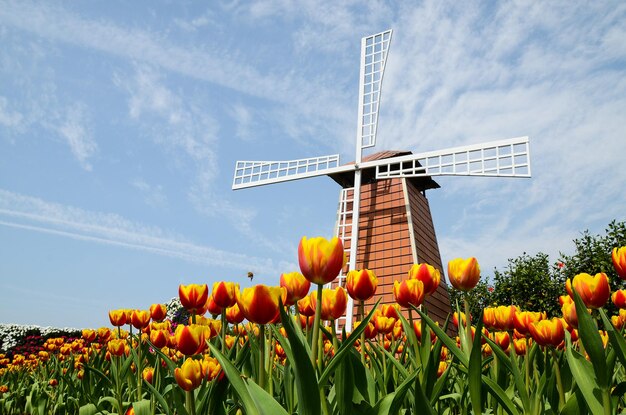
column 374, row 50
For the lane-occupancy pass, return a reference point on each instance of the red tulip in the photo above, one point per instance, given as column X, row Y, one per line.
column 224, row 293
column 594, row 291
column 140, row 319
column 193, row 297
column 619, row 298
column 305, row 307
column 409, row 292
column 548, row 332
column 158, row 312
column 117, row 317
column 234, row 315
column 190, row 340
column 361, row 284
column 189, row 375
column 260, row 303
column 334, row 303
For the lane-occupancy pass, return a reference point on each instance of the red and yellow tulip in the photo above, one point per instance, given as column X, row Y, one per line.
column 158, row 312
column 321, row 260
column 296, row 285
column 193, row 297
column 234, row 315
column 140, row 319
column 619, row 298
column 409, row 292
column 593, row 290
column 260, row 303
column 189, row 375
column 334, row 303
column 428, row 275
column 224, row 293
column 190, row 340
column 361, row 284
column 117, row 317
column 619, row 261
column 463, row 273
column 505, row 317
column 547, row 332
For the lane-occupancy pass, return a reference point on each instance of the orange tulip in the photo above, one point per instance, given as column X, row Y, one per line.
column 594, row 291
column 409, row 292
column 234, row 314
column 505, row 316
column 619, row 261
column 321, row 260
column 502, row 339
column 463, row 273
column 370, row 331
column 361, row 284
column 428, row 275
column 522, row 319
column 159, row 338
column 117, row 317
column 296, row 285
column 189, row 375
column 619, row 298
column 89, row 335
column 334, row 303
column 140, row 319
column 305, row 307
column 211, row 368
column 224, row 293
column 520, row 346
column 148, row 374
column 193, row 297
column 547, row 332
column 158, row 312
column 389, row 310
column 260, row 303
column 190, row 340
column 212, row 307
column 384, row 324
column 489, row 317
column 116, row 347
column 569, row 314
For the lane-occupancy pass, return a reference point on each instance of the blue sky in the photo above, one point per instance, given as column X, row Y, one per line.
column 120, row 125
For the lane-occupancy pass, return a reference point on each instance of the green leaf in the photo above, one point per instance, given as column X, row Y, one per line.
column 142, row 407
column 88, row 409
column 500, row 395
column 588, row 332
column 236, row 381
column 297, row 353
column 617, row 340
column 583, row 373
column 158, row 397
column 346, row 347
column 475, row 370
column 344, row 386
column 447, row 341
column 422, row 403
column 266, row 404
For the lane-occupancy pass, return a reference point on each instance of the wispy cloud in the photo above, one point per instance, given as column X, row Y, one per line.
column 153, row 195
column 34, row 214
column 73, row 128
column 8, row 117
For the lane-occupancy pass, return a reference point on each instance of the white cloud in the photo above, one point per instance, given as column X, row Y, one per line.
column 153, row 195
column 76, row 133
column 30, row 213
column 8, row 117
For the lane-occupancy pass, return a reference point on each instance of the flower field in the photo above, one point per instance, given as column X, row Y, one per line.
column 275, row 350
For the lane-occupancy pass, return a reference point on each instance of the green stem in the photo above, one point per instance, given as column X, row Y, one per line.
column 139, row 368
column 223, row 331
column 316, row 325
column 559, row 381
column 190, row 402
column 362, row 317
column 468, row 324
column 606, row 401
column 262, row 356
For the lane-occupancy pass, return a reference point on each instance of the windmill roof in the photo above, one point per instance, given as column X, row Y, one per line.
column 368, row 175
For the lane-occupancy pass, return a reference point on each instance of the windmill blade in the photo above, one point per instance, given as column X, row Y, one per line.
column 373, row 59
column 259, row 173
column 504, row 158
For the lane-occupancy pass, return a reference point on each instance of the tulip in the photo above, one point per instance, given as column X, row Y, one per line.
column 441, row 368
column 489, row 317
column 211, row 368
column 296, row 285
column 389, row 310
column 547, row 332
column 502, row 339
column 463, row 273
column 116, row 347
column 504, row 316
column 193, row 297
column 455, row 318
column 569, row 314
column 158, row 312
column 140, row 319
column 224, row 293
column 234, row 314
column 594, row 291
column 89, row 335
column 117, row 317
column 409, row 292
column 212, row 307
column 189, row 375
column 190, row 340
column 428, row 275
column 321, row 260
column 522, row 319
column 619, row 298
column 305, row 307
column 260, row 303
column 520, row 346
column 159, row 338
column 361, row 284
column 334, row 303
column 148, row 374
column 384, row 324
column 619, row 261
column 370, row 331
column 417, row 328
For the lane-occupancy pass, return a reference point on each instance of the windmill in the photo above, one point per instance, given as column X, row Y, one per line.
column 395, row 172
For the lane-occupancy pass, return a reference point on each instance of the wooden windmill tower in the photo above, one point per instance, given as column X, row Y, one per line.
column 382, row 202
